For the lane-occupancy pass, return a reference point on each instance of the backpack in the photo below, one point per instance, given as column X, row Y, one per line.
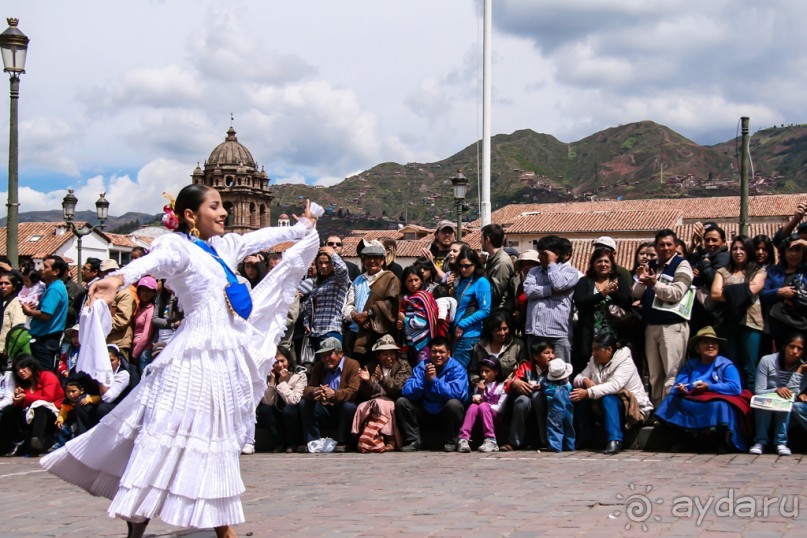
column 18, row 342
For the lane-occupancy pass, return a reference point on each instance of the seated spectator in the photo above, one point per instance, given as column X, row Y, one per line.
column 382, row 383
column 781, row 373
column 122, row 383
column 66, row 422
column 737, row 287
column 417, row 317
column 486, row 401
column 610, row 383
column 372, row 304
column 498, row 341
column 68, row 358
column 529, row 400
column 279, row 410
column 559, row 408
column 473, row 305
column 37, row 397
column 433, row 397
column 707, row 396
column 330, row 397
column 786, row 313
column 603, row 301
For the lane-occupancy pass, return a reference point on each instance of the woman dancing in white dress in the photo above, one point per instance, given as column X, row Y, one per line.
column 170, row 449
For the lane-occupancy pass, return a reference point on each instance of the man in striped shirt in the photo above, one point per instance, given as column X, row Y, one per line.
column 549, row 289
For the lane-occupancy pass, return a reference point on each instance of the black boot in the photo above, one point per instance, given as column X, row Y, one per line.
column 614, row 447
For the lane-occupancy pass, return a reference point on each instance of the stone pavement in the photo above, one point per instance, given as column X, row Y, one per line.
column 517, row 494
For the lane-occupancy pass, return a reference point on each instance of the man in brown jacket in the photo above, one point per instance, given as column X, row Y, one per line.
column 330, row 397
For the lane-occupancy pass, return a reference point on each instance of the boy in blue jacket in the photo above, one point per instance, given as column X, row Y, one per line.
column 433, row 396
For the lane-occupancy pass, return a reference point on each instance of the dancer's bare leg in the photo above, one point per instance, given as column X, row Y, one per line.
column 225, row 532
column 137, row 530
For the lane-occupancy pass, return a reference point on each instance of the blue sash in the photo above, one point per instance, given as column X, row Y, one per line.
column 236, row 293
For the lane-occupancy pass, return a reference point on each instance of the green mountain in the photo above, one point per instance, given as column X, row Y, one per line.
column 635, row 160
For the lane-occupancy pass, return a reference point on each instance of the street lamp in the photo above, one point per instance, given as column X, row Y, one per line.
column 460, row 183
column 69, row 203
column 14, row 46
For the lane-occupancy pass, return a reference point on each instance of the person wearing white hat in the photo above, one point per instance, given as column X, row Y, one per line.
column 559, row 408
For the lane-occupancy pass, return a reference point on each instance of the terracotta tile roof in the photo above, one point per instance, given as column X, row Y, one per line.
column 47, row 243
column 147, row 239
column 720, row 207
column 376, row 234
column 582, row 249
column 684, row 231
column 119, row 240
column 595, row 222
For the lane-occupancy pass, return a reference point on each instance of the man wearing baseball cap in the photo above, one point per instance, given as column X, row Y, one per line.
column 330, row 397
column 444, row 235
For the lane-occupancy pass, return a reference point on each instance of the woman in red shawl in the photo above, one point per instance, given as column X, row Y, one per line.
column 417, row 315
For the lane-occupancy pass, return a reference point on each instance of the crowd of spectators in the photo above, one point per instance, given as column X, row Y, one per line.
column 491, row 349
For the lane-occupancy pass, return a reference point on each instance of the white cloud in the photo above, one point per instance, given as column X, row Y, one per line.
column 161, row 87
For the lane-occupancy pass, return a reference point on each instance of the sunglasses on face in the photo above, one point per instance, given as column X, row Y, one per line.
column 333, row 244
column 466, row 265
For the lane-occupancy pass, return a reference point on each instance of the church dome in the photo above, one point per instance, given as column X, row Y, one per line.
column 231, row 152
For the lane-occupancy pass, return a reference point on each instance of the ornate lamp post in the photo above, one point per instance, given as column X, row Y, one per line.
column 69, row 210
column 460, row 184
column 14, row 46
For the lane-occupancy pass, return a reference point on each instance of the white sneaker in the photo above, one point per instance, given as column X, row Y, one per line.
column 783, row 450
column 758, row 448
column 490, row 445
column 463, row 446
column 248, row 449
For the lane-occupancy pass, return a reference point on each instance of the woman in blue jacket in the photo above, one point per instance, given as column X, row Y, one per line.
column 472, row 293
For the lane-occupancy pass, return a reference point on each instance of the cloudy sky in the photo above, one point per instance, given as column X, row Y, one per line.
column 127, row 96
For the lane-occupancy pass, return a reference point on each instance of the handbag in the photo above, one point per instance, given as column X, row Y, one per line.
column 307, row 355
column 235, row 293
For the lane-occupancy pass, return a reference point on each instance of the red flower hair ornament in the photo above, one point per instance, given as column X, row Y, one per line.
column 170, row 219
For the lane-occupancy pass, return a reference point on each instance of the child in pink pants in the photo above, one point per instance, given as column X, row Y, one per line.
column 485, row 404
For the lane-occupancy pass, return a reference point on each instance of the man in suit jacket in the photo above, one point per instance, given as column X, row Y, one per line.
column 330, row 397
